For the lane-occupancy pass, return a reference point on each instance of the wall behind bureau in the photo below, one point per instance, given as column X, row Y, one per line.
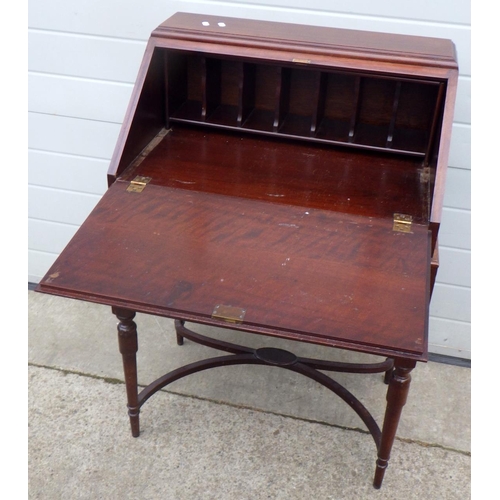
column 83, row 60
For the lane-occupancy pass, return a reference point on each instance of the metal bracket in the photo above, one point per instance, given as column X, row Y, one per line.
column 402, row 223
column 138, row 184
column 229, row 314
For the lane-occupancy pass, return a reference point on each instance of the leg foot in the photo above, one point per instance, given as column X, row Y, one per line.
column 127, row 341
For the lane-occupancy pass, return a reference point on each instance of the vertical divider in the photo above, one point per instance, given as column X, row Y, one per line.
column 392, row 124
column 204, row 83
column 166, row 103
column 355, row 113
column 246, row 96
column 319, row 110
column 211, row 83
column 175, row 82
column 282, row 97
column 435, row 117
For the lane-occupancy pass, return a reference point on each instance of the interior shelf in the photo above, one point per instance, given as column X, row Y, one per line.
column 357, row 110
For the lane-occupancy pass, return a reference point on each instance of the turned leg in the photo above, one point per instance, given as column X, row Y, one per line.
column 127, row 341
column 397, row 393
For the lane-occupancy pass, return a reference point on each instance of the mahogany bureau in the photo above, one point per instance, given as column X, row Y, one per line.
column 281, row 180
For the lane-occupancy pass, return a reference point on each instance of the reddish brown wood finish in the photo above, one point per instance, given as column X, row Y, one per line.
column 180, row 253
column 127, row 342
column 278, row 156
column 279, row 171
column 259, row 45
column 397, row 393
column 351, row 44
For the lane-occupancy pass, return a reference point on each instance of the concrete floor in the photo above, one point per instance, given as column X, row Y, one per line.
column 239, row 433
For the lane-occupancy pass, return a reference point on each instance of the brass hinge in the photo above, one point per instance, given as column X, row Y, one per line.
column 228, row 313
column 138, row 184
column 402, row 223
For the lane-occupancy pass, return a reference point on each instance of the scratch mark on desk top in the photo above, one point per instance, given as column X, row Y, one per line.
column 53, row 276
column 183, row 182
